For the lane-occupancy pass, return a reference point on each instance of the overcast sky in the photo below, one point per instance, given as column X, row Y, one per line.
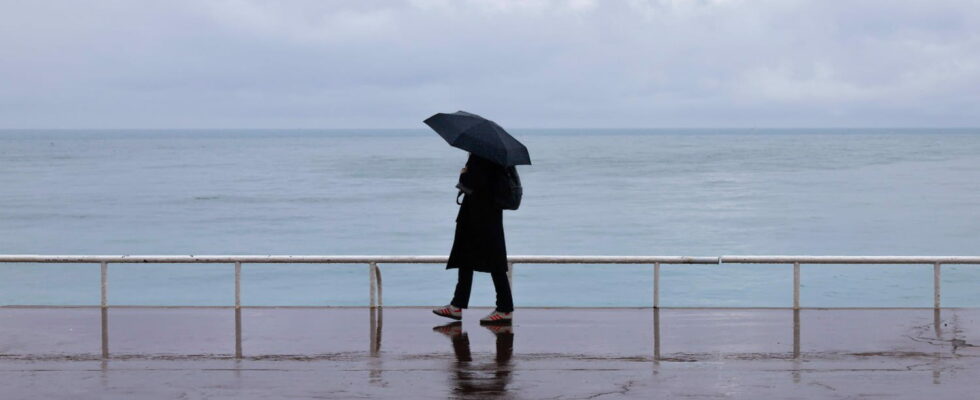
column 528, row 64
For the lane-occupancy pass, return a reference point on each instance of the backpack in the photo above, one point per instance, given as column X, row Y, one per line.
column 508, row 191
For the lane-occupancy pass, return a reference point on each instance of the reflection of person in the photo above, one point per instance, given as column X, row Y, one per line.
column 479, row 242
column 470, row 379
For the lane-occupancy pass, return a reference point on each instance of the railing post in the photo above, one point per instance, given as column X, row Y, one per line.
column 104, row 267
column 796, row 286
column 379, row 285
column 105, row 333
column 238, row 333
column 375, row 334
column 656, row 285
column 372, row 282
column 796, row 333
column 105, row 284
column 936, row 289
column 238, row 284
column 656, row 335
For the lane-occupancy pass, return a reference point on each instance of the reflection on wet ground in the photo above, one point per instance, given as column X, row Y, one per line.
column 480, row 377
column 570, row 353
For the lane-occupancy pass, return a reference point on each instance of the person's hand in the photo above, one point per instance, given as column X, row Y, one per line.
column 462, row 171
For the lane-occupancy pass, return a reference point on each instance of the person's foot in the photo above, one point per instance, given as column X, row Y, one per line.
column 449, row 311
column 497, row 318
column 451, row 329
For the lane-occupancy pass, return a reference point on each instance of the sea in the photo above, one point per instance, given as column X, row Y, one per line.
column 663, row 192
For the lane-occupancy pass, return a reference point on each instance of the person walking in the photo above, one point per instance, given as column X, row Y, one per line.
column 489, row 184
column 479, row 241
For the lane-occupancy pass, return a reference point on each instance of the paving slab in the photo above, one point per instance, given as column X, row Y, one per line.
column 565, row 353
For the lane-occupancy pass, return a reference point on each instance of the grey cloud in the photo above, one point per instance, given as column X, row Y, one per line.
column 324, row 64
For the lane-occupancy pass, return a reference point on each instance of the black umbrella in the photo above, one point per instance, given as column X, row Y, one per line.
column 479, row 136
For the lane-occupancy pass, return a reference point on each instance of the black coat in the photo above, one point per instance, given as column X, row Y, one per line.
column 479, row 242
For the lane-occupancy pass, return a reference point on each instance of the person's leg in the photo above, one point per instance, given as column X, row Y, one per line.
column 461, row 298
column 505, row 303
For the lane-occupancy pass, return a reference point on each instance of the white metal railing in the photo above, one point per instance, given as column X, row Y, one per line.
column 374, row 271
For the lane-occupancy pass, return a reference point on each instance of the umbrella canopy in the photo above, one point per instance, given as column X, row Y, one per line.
column 479, row 136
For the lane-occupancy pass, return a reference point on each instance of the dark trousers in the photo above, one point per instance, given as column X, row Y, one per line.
column 505, row 303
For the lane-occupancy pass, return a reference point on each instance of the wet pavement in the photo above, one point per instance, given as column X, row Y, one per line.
column 405, row 353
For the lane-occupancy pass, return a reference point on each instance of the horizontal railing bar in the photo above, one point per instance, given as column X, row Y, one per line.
column 285, row 259
column 850, row 259
column 328, row 259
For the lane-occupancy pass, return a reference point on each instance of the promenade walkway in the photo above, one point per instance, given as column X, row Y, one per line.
column 190, row 353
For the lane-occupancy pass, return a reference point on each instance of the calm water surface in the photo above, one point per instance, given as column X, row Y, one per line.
column 589, row 192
